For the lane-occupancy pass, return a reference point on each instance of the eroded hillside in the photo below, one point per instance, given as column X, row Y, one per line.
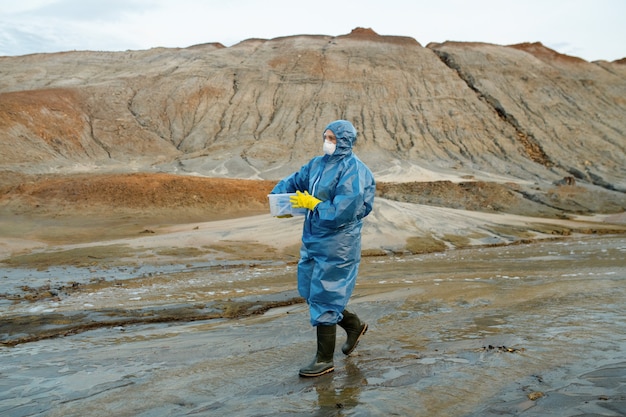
column 256, row 109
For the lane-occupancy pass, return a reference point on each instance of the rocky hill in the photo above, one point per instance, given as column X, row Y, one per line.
column 256, row 109
column 516, row 121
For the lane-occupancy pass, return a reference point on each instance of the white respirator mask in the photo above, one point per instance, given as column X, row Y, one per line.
column 329, row 147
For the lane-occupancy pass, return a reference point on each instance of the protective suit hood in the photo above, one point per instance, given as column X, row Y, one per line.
column 346, row 136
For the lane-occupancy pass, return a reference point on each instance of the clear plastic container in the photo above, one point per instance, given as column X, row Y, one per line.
column 281, row 206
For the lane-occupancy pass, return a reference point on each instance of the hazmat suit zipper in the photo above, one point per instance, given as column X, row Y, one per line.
column 314, row 188
column 317, row 180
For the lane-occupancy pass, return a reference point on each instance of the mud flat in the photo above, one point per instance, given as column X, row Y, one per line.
column 530, row 330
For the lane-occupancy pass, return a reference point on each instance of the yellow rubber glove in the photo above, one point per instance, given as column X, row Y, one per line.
column 304, row 200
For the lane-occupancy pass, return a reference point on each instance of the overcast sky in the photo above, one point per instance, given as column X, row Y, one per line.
column 589, row 29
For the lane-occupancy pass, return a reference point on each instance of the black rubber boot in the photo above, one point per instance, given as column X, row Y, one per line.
column 323, row 362
column 355, row 328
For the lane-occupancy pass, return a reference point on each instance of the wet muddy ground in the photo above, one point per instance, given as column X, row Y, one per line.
column 528, row 330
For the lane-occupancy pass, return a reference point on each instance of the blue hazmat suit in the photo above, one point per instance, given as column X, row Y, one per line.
column 331, row 235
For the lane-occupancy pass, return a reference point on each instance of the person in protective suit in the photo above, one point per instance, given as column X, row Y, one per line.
column 338, row 191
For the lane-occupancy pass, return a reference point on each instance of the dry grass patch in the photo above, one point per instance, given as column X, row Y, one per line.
column 425, row 244
column 457, row 241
